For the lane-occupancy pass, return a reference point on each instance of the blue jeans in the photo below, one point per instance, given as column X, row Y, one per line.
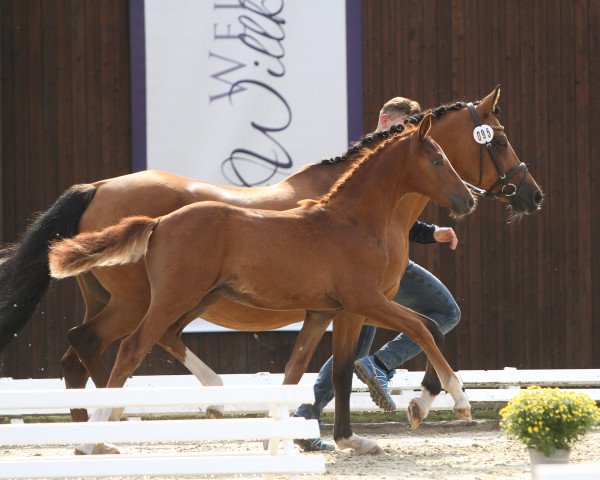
column 420, row 291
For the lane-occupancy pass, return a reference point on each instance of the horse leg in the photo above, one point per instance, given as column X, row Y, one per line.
column 95, row 298
column 311, row 333
column 170, row 305
column 91, row 338
column 346, row 329
column 76, row 376
column 396, row 317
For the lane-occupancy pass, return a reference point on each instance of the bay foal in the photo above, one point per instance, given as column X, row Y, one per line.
column 327, row 255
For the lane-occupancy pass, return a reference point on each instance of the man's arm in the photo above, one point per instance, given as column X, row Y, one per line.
column 425, row 233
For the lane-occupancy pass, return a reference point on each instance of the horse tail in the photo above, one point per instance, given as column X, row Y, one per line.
column 24, row 273
column 125, row 242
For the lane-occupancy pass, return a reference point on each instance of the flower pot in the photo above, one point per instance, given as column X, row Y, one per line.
column 558, row 456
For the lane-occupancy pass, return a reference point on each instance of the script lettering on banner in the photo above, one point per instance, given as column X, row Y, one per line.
column 244, row 92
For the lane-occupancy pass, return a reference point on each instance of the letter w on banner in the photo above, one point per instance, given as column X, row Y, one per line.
column 243, row 92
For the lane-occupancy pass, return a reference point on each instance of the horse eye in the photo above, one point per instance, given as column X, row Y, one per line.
column 438, row 161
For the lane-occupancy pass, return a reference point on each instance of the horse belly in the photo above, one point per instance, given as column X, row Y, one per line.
column 237, row 316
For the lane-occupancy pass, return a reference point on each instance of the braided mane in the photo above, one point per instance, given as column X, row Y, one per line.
column 367, row 140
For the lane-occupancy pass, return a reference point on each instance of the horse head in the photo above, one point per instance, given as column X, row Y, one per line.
column 431, row 173
column 486, row 160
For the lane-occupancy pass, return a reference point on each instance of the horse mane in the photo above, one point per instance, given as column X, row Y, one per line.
column 371, row 143
column 360, row 155
column 415, row 119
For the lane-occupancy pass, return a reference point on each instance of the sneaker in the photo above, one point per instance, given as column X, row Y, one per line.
column 314, row 445
column 376, row 378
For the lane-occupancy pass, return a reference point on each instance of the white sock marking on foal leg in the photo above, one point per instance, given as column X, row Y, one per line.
column 425, row 401
column 461, row 403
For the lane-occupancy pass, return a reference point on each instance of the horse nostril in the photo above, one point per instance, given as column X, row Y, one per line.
column 471, row 203
column 538, row 197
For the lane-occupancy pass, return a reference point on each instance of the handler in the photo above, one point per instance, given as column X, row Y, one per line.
column 419, row 290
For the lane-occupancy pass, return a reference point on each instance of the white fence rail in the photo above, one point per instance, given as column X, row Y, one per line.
column 482, row 386
column 281, row 458
column 580, row 471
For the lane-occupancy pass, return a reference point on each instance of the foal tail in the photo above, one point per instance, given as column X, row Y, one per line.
column 125, row 242
column 24, row 273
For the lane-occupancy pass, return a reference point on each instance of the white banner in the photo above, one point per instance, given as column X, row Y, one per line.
column 243, row 92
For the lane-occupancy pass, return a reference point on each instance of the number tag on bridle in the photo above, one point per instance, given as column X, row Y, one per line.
column 483, row 134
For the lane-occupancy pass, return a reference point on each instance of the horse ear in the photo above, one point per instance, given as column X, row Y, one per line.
column 488, row 104
column 425, row 126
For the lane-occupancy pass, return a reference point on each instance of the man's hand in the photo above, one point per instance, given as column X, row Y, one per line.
column 446, row 235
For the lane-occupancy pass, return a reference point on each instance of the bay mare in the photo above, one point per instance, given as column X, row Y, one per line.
column 117, row 297
column 327, row 255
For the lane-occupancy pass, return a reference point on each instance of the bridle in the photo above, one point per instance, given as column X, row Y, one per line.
column 508, row 189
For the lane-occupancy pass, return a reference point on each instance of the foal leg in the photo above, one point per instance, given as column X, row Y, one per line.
column 418, row 407
column 424, row 293
column 315, row 325
column 396, row 317
column 346, row 329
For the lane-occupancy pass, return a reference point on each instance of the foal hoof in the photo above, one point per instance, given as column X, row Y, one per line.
column 415, row 414
column 463, row 413
column 214, row 412
column 96, row 449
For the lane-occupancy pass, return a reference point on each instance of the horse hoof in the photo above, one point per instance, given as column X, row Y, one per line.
column 214, row 412
column 463, row 413
column 414, row 414
column 360, row 445
column 375, row 450
column 97, row 449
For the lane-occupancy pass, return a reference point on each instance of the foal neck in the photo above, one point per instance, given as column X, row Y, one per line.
column 370, row 190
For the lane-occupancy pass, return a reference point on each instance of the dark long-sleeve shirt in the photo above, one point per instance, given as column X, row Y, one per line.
column 421, row 232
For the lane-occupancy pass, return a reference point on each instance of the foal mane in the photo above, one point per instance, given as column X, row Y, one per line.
column 360, row 154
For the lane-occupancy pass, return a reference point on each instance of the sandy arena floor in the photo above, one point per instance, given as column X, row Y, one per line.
column 440, row 450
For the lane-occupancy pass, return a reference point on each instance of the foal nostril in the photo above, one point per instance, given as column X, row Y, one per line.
column 538, row 197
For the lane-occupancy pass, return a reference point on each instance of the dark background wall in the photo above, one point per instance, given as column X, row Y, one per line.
column 528, row 291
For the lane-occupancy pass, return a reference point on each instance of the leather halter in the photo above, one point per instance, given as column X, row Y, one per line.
column 508, row 189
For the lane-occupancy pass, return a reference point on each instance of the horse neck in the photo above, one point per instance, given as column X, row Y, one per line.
column 370, row 192
column 449, row 133
column 316, row 180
